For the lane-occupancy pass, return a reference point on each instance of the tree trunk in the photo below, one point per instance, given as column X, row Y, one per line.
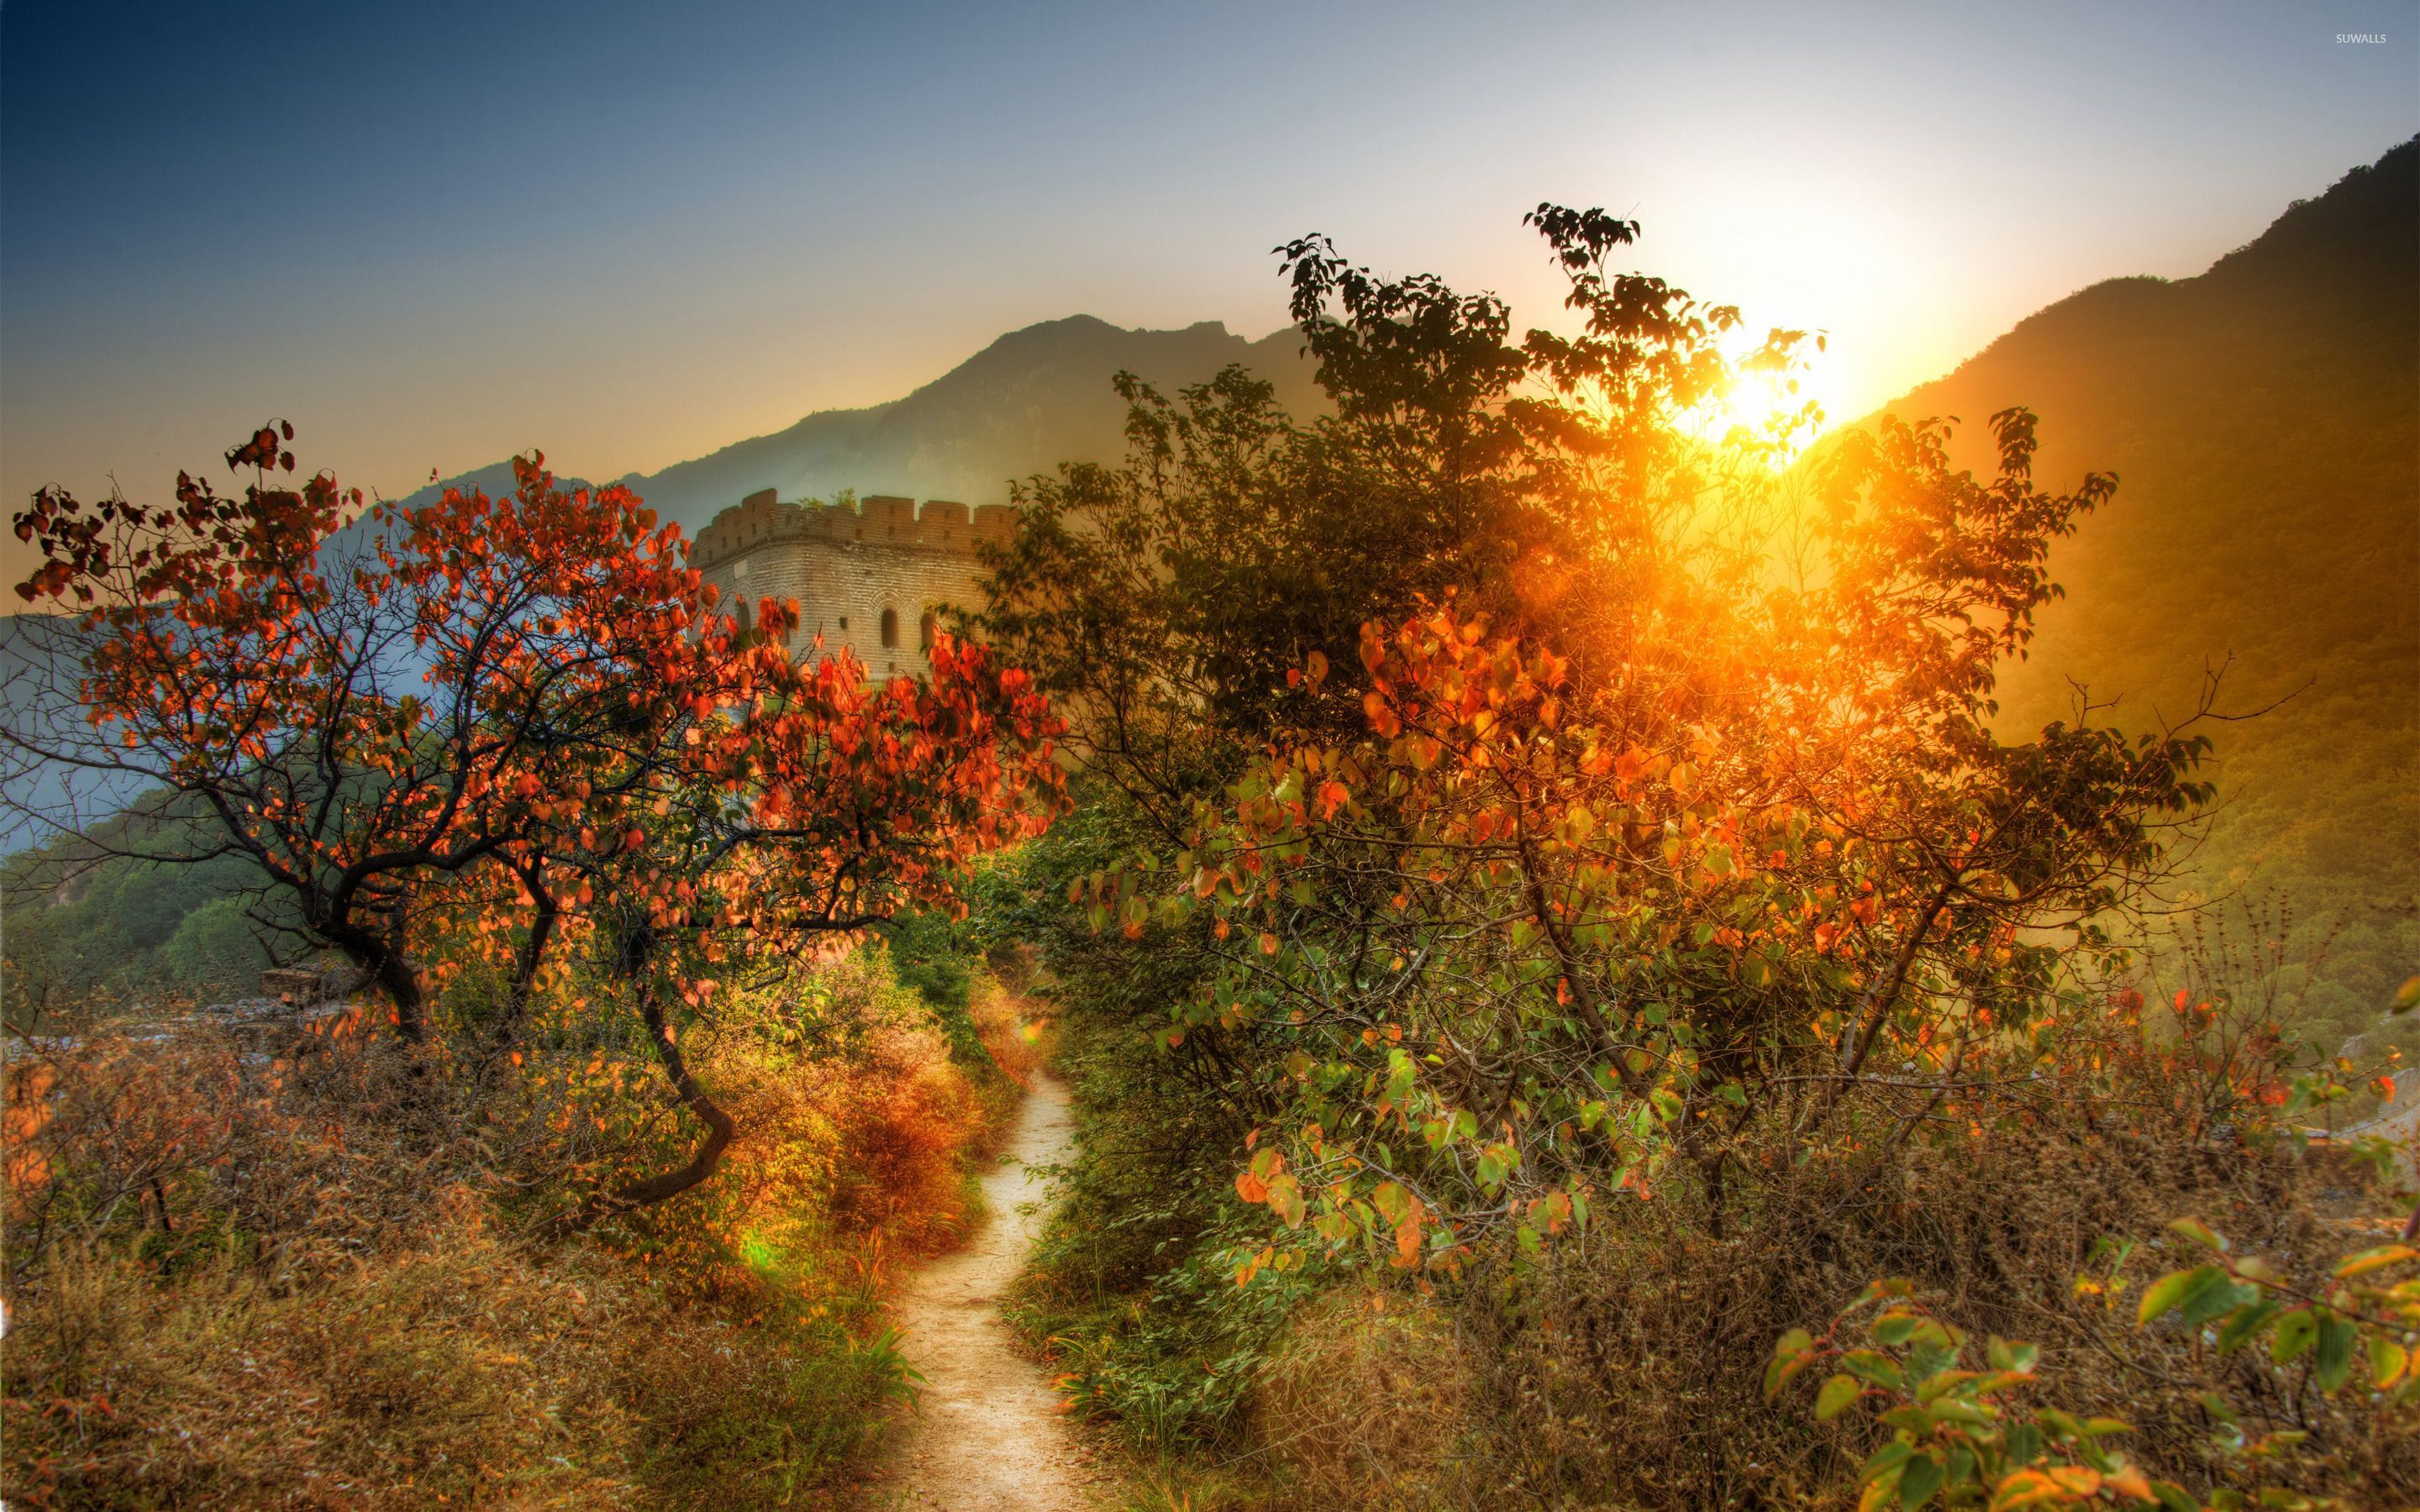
column 399, row 980
column 721, row 1128
column 524, row 984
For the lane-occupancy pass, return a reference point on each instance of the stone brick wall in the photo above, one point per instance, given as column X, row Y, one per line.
column 868, row 577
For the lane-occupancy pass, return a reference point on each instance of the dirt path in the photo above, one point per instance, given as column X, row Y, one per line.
column 985, row 1435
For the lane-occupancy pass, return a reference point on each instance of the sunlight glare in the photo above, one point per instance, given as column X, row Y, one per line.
column 1773, row 413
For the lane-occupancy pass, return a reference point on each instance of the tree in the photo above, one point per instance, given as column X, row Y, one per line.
column 509, row 722
column 1660, row 809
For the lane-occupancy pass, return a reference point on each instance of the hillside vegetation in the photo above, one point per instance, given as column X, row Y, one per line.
column 1583, row 993
column 2263, row 421
column 580, row 1179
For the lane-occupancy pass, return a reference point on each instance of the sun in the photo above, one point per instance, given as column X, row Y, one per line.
column 1773, row 411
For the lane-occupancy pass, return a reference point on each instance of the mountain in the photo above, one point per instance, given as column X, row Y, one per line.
column 2263, row 420
column 1031, row 400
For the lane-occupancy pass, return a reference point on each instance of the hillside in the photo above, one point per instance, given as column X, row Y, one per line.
column 2263, row 420
column 1031, row 400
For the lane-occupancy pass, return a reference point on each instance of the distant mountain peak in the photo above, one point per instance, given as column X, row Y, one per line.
column 1030, row 400
column 1027, row 401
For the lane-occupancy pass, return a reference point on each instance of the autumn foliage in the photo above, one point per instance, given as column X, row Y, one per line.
column 523, row 725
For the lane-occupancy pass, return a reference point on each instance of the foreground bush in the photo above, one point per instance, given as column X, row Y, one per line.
column 1630, row 1365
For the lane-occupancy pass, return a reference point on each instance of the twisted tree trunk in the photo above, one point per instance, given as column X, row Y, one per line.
column 635, row 961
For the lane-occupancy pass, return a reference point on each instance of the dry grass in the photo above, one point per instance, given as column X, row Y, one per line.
column 1367, row 1401
column 344, row 1309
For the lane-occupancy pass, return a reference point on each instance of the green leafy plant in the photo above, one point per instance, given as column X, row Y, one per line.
column 2354, row 1328
column 1958, row 1435
column 1966, row 1437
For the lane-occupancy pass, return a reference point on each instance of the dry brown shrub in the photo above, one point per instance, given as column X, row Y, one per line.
column 906, row 1127
column 1628, row 1371
column 1366, row 1402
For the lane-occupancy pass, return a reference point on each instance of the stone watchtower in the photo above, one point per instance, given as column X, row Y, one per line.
column 867, row 578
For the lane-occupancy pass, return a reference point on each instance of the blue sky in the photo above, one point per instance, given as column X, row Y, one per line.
column 435, row 235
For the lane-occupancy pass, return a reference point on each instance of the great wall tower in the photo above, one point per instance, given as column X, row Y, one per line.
column 869, row 577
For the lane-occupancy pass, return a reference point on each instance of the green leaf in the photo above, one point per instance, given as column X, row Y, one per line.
column 1889, row 1457
column 2245, row 1325
column 2295, row 1332
column 2161, row 1295
column 2371, row 1259
column 1916, row 1484
column 1880, row 1494
column 1875, row 1366
column 2025, row 1443
column 1962, row 1465
column 2217, row 1301
column 1952, row 1409
column 1946, row 1381
column 2005, row 1356
column 2333, row 1361
column 2180, row 1289
column 1835, row 1397
column 1929, row 1358
column 1285, row 1199
column 2200, row 1232
column 2386, row 1360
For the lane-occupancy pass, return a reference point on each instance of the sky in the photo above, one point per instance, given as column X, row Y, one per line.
column 436, row 235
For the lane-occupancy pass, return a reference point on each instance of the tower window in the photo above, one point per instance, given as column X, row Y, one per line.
column 925, row 630
column 890, row 628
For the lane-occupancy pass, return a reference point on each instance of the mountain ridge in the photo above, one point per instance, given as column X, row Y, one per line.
column 1028, row 401
column 2263, row 421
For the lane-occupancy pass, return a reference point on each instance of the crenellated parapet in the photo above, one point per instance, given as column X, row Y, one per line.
column 872, row 580
column 878, row 520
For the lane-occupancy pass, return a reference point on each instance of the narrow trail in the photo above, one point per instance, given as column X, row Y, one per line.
column 986, row 1434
